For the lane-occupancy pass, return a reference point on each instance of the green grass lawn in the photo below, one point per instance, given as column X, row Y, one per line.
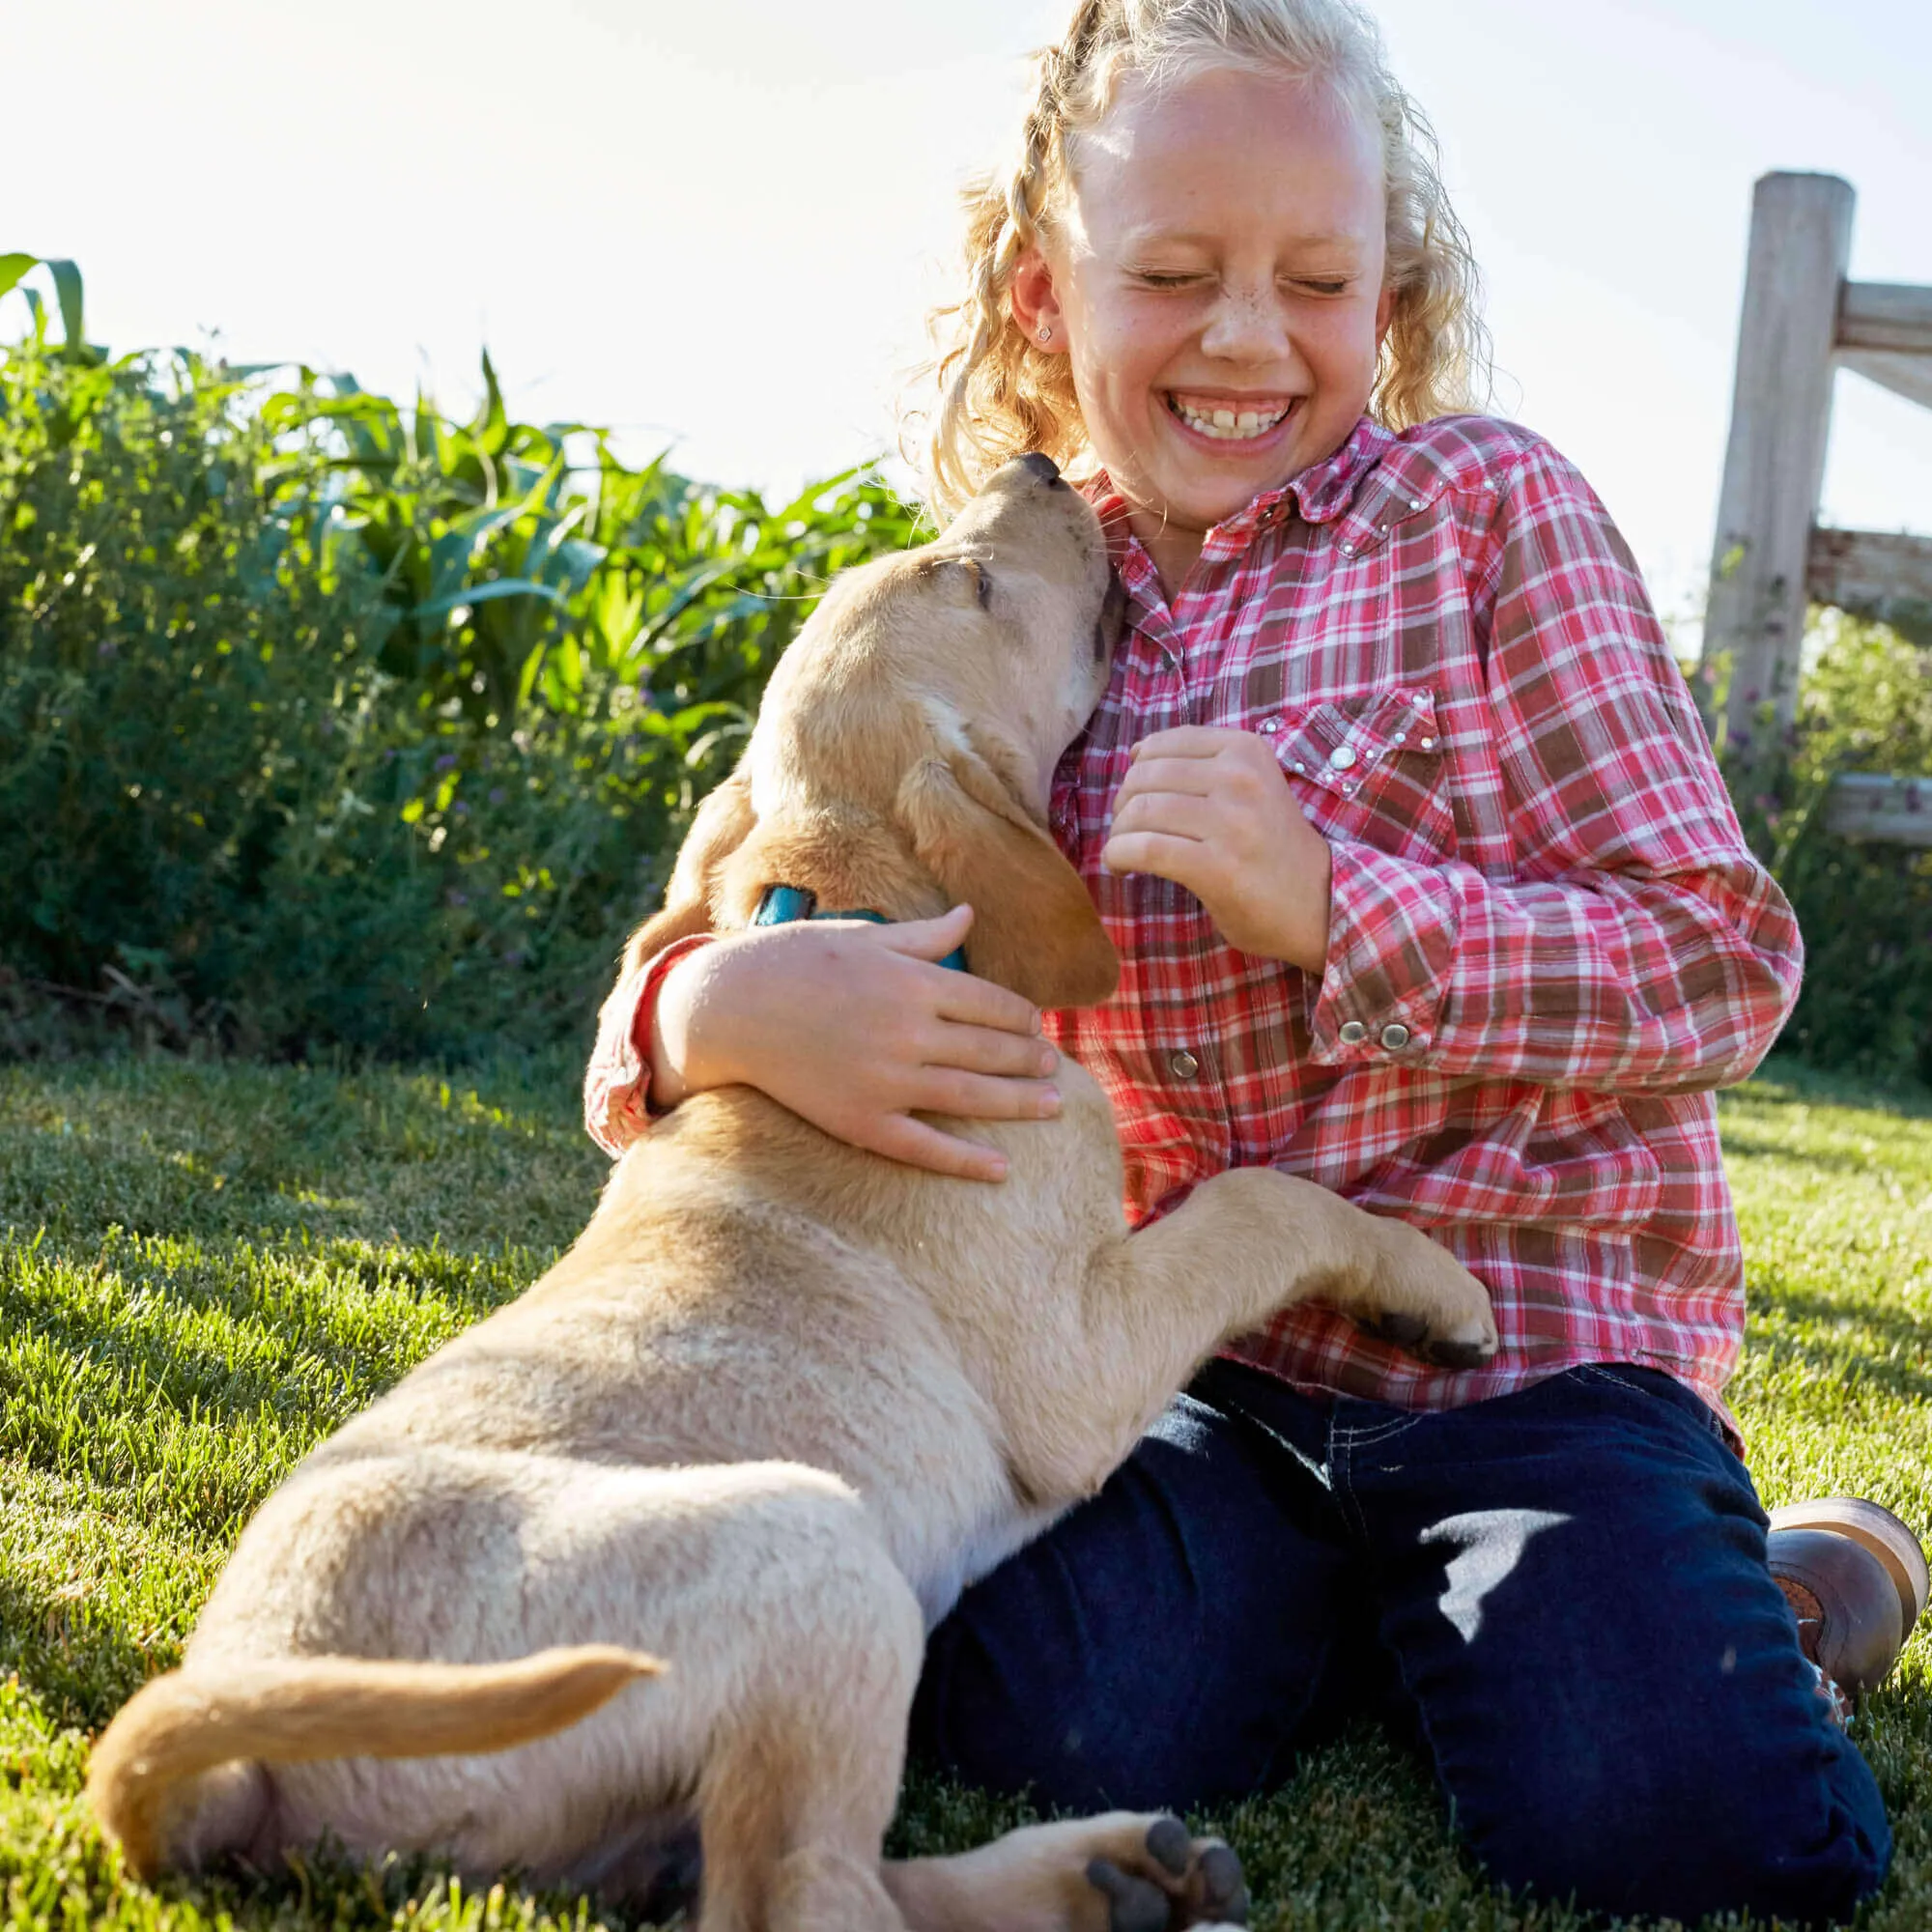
column 205, row 1269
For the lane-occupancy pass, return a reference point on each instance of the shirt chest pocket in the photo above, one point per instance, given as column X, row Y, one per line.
column 1371, row 768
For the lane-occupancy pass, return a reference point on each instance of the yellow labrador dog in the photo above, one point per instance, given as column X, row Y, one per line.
column 784, row 1399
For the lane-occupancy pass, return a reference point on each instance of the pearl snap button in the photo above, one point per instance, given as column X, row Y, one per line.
column 1353, row 1033
column 1182, row 1065
column 1395, row 1038
column 1341, row 757
column 1270, row 727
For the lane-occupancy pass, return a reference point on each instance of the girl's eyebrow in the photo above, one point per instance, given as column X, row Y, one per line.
column 1155, row 235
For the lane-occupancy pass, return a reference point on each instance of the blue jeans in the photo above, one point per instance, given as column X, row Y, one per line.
column 1562, row 1591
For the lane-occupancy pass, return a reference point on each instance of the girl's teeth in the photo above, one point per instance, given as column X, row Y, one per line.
column 1227, row 425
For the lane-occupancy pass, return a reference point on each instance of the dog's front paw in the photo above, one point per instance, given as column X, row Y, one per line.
column 1429, row 1304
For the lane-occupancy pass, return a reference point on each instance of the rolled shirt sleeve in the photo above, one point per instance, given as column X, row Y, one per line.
column 1636, row 944
column 616, row 1083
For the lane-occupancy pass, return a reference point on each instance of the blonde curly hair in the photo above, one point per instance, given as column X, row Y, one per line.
column 1000, row 397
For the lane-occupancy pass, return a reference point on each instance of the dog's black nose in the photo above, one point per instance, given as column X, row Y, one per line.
column 1041, row 466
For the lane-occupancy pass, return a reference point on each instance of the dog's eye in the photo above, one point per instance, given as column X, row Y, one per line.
column 983, row 583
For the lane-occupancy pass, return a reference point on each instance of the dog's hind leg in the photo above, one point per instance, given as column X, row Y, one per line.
column 822, row 1889
column 802, row 1771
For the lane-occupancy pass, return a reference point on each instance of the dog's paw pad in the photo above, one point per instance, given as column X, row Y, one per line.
column 1133, row 1904
column 1224, row 1888
column 1171, row 1880
column 1168, row 1842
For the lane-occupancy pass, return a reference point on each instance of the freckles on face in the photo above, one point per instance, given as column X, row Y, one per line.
column 1219, row 272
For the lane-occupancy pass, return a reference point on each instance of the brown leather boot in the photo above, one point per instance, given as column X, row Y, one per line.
column 1855, row 1579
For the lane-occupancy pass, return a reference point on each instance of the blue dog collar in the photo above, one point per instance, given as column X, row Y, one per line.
column 782, row 904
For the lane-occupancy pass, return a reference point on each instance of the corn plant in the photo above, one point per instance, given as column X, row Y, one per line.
column 349, row 723
column 528, row 564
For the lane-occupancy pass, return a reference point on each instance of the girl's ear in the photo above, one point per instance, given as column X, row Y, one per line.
column 1032, row 302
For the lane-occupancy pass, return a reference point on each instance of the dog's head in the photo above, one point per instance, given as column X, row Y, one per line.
column 906, row 744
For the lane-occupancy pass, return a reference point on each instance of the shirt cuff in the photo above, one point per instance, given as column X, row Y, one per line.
column 617, row 1082
column 1392, row 936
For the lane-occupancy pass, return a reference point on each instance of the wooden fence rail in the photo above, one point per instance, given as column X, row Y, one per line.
column 1802, row 321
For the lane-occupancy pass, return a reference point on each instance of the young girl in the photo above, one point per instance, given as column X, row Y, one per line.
column 1426, row 888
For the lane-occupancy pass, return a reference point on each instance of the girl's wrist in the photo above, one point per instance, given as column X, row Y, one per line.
column 667, row 1086
column 678, row 1067
column 1312, row 909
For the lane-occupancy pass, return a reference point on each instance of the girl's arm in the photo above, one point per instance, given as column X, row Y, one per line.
column 852, row 1026
column 617, row 1103
column 1635, row 943
column 1640, row 945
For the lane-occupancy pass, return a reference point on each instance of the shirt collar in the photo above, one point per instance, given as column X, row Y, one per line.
column 1325, row 489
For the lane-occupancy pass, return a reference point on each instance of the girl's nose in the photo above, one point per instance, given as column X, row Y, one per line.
column 1247, row 325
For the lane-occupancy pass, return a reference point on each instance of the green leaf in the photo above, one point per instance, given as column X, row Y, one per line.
column 453, row 553
column 67, row 286
column 12, row 268
column 487, row 593
column 491, row 427
column 533, row 667
column 576, row 560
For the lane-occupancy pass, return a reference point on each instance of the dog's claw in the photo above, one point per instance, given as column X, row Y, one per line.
column 1455, row 1354
column 1411, row 1334
column 1133, row 1904
column 1401, row 1331
column 1224, row 1886
column 1168, row 1841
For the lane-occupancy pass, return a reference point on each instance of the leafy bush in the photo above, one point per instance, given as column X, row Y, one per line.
column 1865, row 910
column 168, row 688
column 324, row 723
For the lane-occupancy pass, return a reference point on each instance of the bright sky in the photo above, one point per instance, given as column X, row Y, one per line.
column 718, row 225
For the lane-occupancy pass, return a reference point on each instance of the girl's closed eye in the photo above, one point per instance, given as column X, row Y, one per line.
column 1200, row 278
column 1170, row 278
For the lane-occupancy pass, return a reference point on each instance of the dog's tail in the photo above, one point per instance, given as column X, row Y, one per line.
column 293, row 1709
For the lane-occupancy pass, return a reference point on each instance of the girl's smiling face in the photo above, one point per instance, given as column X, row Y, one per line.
column 1217, row 281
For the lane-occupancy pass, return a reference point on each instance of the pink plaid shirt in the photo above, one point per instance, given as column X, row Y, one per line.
column 1548, row 940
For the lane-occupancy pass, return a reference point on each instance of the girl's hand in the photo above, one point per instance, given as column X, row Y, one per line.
column 1211, row 809
column 854, row 1027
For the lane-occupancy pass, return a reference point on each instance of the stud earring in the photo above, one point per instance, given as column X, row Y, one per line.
column 1045, row 333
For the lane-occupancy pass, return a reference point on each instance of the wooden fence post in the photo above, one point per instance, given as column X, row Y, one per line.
column 1780, row 419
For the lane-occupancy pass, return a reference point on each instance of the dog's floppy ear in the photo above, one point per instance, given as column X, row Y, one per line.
column 723, row 823
column 1034, row 928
